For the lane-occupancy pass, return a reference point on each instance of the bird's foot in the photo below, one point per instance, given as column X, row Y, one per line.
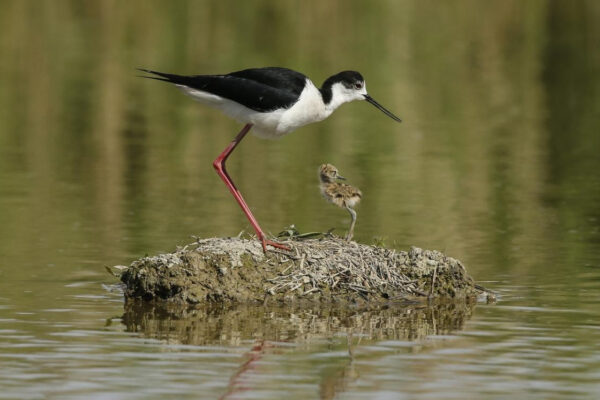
column 266, row 242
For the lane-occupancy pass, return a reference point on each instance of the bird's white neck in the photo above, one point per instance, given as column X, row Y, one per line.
column 336, row 95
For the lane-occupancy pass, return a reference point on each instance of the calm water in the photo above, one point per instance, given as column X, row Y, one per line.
column 497, row 163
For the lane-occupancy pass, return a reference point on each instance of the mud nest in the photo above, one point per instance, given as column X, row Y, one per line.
column 233, row 270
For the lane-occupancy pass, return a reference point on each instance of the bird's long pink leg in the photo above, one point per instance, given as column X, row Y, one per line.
column 219, row 165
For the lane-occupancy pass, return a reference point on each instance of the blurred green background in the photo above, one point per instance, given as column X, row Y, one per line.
column 496, row 162
column 497, row 154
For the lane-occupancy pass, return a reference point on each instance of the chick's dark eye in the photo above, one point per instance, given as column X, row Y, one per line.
column 358, row 85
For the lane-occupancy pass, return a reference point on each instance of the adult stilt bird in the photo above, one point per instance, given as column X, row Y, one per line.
column 272, row 100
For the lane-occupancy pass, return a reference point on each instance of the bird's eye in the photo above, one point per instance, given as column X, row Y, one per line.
column 358, row 85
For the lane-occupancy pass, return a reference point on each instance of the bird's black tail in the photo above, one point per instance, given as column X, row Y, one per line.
column 171, row 78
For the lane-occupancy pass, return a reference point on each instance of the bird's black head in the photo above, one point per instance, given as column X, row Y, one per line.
column 348, row 86
column 350, row 80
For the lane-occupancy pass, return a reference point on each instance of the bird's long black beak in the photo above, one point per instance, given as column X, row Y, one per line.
column 340, row 177
column 382, row 108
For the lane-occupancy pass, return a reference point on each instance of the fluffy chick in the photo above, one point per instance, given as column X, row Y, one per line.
column 340, row 194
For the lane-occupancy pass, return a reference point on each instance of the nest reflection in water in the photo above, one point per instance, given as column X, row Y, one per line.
column 232, row 325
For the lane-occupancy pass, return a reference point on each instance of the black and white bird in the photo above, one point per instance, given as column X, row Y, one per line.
column 275, row 101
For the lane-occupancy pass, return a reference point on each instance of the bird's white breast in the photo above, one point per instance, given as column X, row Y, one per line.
column 308, row 109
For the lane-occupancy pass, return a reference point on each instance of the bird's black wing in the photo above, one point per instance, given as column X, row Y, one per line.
column 260, row 89
column 279, row 78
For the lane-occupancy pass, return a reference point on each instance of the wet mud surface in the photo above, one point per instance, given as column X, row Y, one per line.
column 330, row 270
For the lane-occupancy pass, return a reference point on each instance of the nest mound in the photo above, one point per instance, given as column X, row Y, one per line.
column 233, row 270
